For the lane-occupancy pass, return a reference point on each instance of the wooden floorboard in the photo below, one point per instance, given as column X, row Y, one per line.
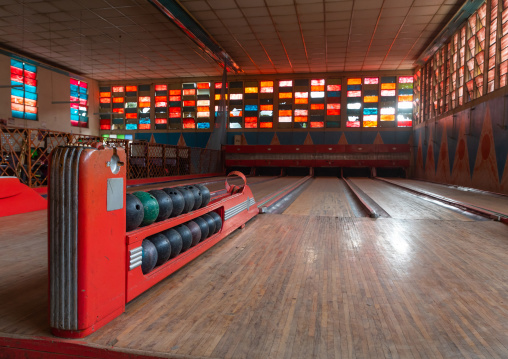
column 485, row 200
column 293, row 286
column 403, row 205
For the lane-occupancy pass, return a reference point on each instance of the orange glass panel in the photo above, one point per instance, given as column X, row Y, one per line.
column 301, row 101
column 203, row 108
column 105, row 94
column 265, row 125
column 131, row 88
column 317, row 88
column 30, row 102
column 161, row 88
column 131, row 115
column 118, row 110
column 300, row 112
column 300, row 118
column 266, row 83
column 105, row 100
column 388, row 86
column 333, row 87
column 189, row 103
column 266, row 107
column 317, row 106
column 235, row 113
column 175, row 92
column 251, row 90
column 333, row 106
column 285, row 112
column 189, row 123
column 17, row 99
column 144, row 126
column 175, row 98
column 251, row 119
column 387, row 118
column 285, row 95
column 370, row 99
column 118, row 99
column 144, row 104
column 251, row 125
column 118, row 89
column 17, row 107
column 355, row 81
column 160, row 121
column 406, row 98
column 189, row 92
column 317, row 124
column 369, row 123
column 203, row 85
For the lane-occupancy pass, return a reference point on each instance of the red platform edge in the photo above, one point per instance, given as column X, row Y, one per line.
column 17, row 198
column 51, row 348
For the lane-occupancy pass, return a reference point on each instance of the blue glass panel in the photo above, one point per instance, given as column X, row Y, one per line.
column 17, row 114
column 74, row 111
column 354, row 87
column 83, row 90
column 203, row 125
column 144, row 121
column 74, row 88
column 17, row 92
column 30, row 68
column 83, row 119
column 251, row 107
column 405, row 91
column 31, row 116
column 74, row 117
column 128, row 137
column 83, row 96
column 131, row 126
column 17, row 83
column 370, row 111
column 29, row 88
column 333, row 93
column 74, row 94
column 16, row 63
column 31, row 96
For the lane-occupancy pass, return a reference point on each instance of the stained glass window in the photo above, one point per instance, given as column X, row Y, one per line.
column 354, row 102
column 161, row 107
column 235, row 108
column 79, row 103
column 388, row 101
column 24, row 94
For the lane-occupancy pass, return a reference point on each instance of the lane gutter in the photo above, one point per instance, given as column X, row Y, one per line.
column 496, row 216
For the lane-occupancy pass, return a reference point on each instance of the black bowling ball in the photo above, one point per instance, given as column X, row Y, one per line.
column 205, row 194
column 176, row 241
column 186, row 235
column 134, row 212
column 195, row 231
column 177, row 199
column 161, row 243
column 165, row 204
column 188, row 197
column 217, row 219
column 211, row 224
column 203, row 226
column 148, row 256
column 197, row 196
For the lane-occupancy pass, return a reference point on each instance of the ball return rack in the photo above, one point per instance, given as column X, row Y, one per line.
column 94, row 264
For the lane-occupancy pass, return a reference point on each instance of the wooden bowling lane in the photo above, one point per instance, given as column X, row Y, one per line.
column 265, row 188
column 403, row 205
column 326, row 196
column 489, row 201
column 321, row 287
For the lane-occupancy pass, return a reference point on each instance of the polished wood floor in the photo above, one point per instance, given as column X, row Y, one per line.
column 299, row 285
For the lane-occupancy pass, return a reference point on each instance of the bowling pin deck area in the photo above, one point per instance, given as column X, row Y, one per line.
column 320, row 280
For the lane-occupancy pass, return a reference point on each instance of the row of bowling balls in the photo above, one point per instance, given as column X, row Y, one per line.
column 144, row 208
column 163, row 246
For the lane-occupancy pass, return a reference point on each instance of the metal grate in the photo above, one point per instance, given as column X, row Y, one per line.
column 63, row 238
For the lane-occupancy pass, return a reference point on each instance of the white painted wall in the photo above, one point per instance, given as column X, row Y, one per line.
column 51, row 86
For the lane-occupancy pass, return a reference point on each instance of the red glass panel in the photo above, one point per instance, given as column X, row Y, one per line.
column 174, row 109
column 189, row 103
column 203, row 85
column 131, row 116
column 317, row 124
column 251, row 125
column 317, row 106
column 16, row 71
column 353, row 124
column 161, row 104
column 333, row 112
column 30, row 81
column 118, row 89
column 131, row 88
column 189, row 92
column 189, row 123
column 144, row 126
column 265, row 125
column 161, row 121
column 118, row 110
column 30, row 75
column 175, row 98
column 333, row 87
column 175, row 114
column 161, row 87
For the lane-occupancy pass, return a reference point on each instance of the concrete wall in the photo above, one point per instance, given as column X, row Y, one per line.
column 51, row 86
column 469, row 148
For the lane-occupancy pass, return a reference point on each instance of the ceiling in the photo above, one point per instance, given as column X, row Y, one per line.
column 131, row 39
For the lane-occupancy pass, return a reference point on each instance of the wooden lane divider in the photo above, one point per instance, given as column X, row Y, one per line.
column 484, row 212
column 273, row 198
column 359, row 196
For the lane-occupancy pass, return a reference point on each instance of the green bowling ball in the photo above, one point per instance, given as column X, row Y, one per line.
column 150, row 207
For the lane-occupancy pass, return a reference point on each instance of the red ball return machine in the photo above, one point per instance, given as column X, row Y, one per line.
column 94, row 264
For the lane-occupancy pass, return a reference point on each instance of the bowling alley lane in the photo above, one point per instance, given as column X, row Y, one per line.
column 486, row 200
column 326, row 196
column 403, row 205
